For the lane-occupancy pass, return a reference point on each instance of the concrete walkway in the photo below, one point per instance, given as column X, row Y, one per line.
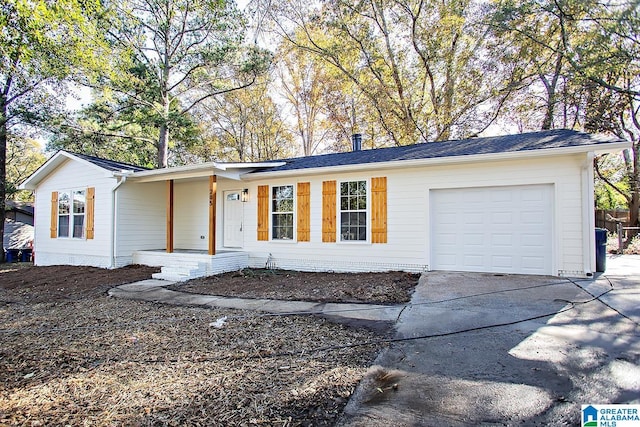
column 154, row 290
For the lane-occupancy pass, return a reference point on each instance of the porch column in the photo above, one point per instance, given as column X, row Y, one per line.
column 169, row 216
column 213, row 186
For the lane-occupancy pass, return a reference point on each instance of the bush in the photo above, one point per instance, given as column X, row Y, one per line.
column 632, row 249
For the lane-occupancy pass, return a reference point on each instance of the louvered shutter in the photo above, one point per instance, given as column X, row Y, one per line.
column 54, row 214
column 329, row 211
column 263, row 212
column 379, row 210
column 304, row 211
column 91, row 199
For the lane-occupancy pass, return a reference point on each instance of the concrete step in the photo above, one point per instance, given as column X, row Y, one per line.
column 182, row 272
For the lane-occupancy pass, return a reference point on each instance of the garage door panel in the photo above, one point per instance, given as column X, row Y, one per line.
column 498, row 196
column 501, row 240
column 473, row 239
column 500, row 262
column 533, row 194
column 502, row 218
column 473, row 261
column 494, row 229
column 532, row 263
column 533, row 217
column 472, row 219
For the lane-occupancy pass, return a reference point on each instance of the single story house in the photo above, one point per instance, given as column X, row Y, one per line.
column 507, row 204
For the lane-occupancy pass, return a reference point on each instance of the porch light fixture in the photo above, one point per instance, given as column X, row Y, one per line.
column 245, row 195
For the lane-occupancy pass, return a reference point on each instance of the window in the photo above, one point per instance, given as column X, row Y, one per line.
column 71, row 214
column 64, row 219
column 79, row 203
column 353, row 211
column 282, row 212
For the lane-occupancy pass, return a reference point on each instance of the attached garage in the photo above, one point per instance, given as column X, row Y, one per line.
column 505, row 229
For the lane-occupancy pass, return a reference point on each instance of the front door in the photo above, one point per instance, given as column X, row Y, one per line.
column 233, row 219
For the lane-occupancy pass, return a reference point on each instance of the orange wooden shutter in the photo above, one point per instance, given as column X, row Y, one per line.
column 263, row 212
column 91, row 199
column 328, row 211
column 54, row 214
column 379, row 210
column 304, row 211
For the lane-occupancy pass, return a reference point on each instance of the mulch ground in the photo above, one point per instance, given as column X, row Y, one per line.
column 70, row 355
column 381, row 288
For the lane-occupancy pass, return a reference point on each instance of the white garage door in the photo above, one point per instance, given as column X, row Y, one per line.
column 493, row 229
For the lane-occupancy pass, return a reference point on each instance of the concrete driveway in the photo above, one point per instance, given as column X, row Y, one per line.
column 506, row 350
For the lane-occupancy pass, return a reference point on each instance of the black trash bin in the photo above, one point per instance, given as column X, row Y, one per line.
column 25, row 255
column 601, row 249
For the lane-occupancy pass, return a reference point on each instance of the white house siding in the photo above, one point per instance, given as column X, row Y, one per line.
column 398, row 254
column 408, row 218
column 94, row 252
column 191, row 214
column 141, row 219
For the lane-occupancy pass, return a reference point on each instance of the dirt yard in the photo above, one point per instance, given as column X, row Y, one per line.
column 381, row 288
column 70, row 355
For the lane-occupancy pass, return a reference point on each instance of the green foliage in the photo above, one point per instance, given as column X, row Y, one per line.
column 243, row 125
column 24, row 156
column 178, row 54
column 41, row 44
column 424, row 70
column 607, row 198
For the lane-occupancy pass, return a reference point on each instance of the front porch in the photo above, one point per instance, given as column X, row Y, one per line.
column 185, row 264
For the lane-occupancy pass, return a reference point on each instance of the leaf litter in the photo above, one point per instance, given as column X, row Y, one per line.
column 81, row 358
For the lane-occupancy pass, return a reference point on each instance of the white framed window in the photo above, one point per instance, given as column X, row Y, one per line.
column 282, row 205
column 71, row 213
column 353, row 211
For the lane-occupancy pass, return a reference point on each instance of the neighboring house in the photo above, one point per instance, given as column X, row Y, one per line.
column 18, row 225
column 508, row 204
column 19, row 211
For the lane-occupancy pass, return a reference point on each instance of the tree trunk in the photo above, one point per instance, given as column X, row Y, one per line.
column 634, row 205
column 163, row 146
column 3, row 168
column 551, row 87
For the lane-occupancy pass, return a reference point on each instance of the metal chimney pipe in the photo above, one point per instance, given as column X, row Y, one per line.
column 356, row 142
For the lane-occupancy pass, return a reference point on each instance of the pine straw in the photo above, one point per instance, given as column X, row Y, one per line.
column 103, row 362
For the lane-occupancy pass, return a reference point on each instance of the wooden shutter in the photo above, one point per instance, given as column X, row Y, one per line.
column 54, row 214
column 304, row 212
column 328, row 211
column 91, row 200
column 379, row 210
column 263, row 212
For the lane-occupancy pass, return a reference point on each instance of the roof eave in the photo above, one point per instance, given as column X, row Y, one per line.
column 50, row 165
column 596, row 148
column 227, row 170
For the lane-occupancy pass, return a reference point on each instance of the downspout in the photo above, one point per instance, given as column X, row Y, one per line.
column 112, row 243
column 588, row 217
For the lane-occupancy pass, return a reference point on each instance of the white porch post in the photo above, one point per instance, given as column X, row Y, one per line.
column 169, row 216
column 212, row 214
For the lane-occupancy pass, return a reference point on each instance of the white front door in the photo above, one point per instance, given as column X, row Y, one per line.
column 233, row 219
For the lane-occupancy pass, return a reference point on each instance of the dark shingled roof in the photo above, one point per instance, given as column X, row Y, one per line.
column 109, row 165
column 467, row 147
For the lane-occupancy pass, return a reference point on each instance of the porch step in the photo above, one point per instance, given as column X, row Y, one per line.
column 182, row 272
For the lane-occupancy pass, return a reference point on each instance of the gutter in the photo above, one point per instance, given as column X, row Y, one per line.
column 588, row 217
column 112, row 242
